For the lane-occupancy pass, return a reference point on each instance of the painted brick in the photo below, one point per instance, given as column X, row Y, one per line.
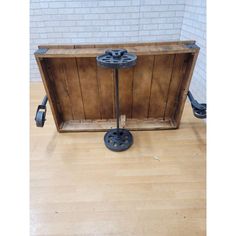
column 167, row 14
column 176, row 7
column 124, row 3
column 82, row 10
column 166, row 26
column 151, row 2
column 168, row 1
column 56, row 5
column 152, row 8
column 106, row 3
column 135, row 2
column 115, row 34
column 150, row 14
column 66, row 11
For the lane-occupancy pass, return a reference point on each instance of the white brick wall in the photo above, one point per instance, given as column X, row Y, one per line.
column 108, row 21
column 100, row 21
column 194, row 27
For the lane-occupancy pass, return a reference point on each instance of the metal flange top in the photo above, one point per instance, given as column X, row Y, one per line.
column 117, row 58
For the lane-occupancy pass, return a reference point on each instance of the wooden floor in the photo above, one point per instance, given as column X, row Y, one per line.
column 78, row 187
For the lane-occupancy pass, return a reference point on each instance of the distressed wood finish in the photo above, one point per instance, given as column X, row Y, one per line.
column 106, row 92
column 142, row 86
column 152, row 94
column 162, row 72
column 89, row 85
column 178, row 74
column 126, row 77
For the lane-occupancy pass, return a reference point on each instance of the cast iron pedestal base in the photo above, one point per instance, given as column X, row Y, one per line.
column 118, row 139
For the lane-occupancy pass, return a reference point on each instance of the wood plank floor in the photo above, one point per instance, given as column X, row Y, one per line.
column 78, row 187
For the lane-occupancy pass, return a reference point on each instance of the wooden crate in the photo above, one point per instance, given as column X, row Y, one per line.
column 152, row 93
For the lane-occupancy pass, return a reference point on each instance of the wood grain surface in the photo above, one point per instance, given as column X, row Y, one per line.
column 154, row 48
column 78, row 187
column 162, row 72
column 81, row 91
column 89, row 85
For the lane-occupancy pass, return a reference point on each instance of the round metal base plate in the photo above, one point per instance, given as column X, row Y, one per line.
column 118, row 140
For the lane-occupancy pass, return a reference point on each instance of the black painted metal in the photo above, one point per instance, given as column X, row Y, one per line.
column 40, row 116
column 41, row 51
column 117, row 58
column 199, row 109
column 117, row 139
column 117, row 98
column 192, row 46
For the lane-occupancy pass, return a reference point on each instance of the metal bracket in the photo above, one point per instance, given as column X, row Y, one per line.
column 192, row 46
column 41, row 51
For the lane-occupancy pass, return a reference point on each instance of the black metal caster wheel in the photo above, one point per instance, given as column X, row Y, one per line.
column 199, row 109
column 200, row 113
column 118, row 139
column 40, row 118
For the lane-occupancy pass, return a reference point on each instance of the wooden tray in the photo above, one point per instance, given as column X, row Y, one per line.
column 152, row 94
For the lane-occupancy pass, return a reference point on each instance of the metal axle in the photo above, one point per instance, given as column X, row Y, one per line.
column 117, row 100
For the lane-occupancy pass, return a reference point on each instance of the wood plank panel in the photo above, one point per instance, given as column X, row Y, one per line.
column 160, row 84
column 141, row 86
column 57, row 73
column 155, row 88
column 139, row 49
column 106, row 91
column 178, row 73
column 116, row 45
column 50, row 91
column 87, row 69
column 73, row 86
column 104, row 125
column 185, row 87
column 126, row 91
